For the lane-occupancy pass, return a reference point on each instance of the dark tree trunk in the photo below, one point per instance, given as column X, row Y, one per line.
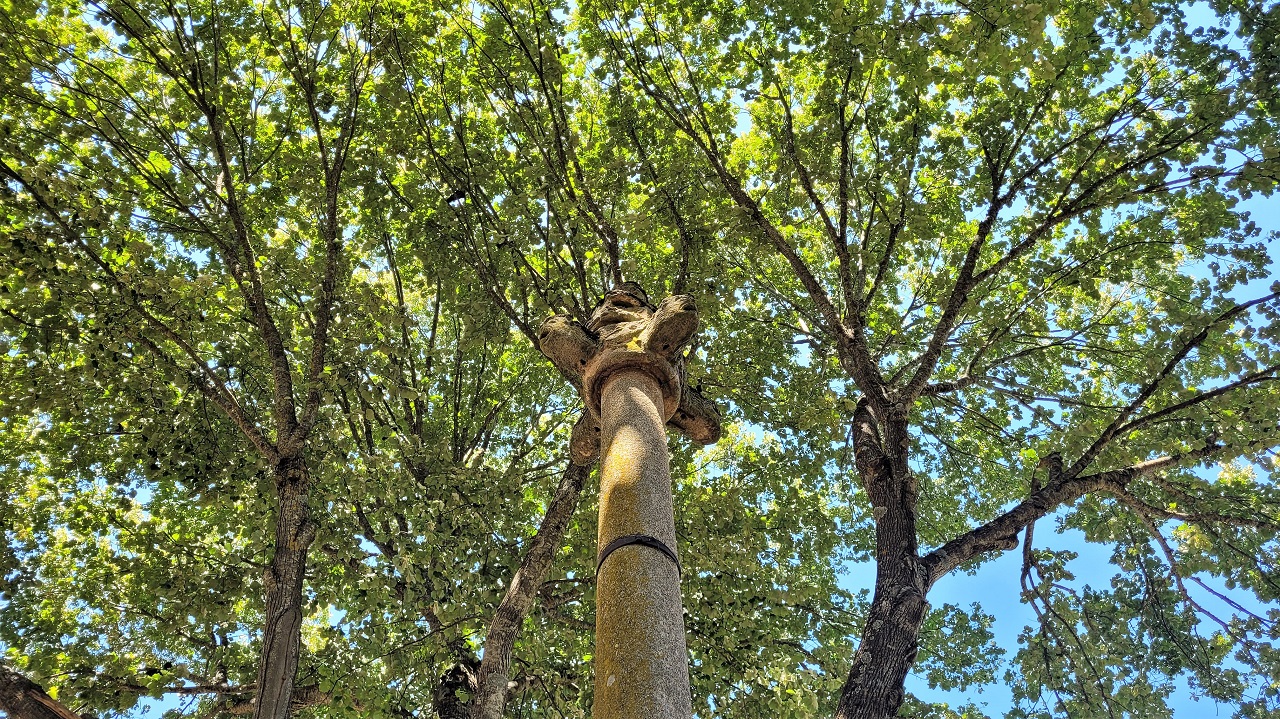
column 891, row 635
column 888, row 649
column 22, row 698
column 459, row 681
column 283, row 584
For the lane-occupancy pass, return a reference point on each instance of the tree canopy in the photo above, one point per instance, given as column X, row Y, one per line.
column 276, row 437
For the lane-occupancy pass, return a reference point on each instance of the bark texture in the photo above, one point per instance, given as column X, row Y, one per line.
column 495, row 668
column 303, row 698
column 447, row 698
column 890, row 638
column 22, row 698
column 283, row 585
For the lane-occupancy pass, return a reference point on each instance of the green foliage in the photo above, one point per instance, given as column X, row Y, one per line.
column 1048, row 194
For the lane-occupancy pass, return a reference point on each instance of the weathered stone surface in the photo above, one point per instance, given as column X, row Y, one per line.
column 641, row 662
column 697, row 417
column 672, row 326
column 628, row 363
column 568, row 345
column 584, row 442
column 627, row 333
column 612, row 361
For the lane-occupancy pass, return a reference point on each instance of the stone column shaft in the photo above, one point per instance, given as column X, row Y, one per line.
column 641, row 662
column 628, row 363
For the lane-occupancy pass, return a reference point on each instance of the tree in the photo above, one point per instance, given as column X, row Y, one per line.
column 170, row 100
column 275, row 427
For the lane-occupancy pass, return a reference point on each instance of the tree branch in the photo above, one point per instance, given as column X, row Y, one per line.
column 1001, row 533
column 495, row 668
column 208, row 381
column 245, row 259
column 1119, row 423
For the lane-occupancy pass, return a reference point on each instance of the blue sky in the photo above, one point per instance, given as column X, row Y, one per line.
column 996, row 586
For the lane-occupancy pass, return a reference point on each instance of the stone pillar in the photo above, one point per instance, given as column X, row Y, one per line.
column 628, row 364
column 642, row 666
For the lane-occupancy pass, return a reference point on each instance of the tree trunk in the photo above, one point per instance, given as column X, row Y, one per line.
column 283, row 583
column 448, row 699
column 641, row 663
column 21, row 698
column 890, row 639
column 495, row 669
column 874, row 689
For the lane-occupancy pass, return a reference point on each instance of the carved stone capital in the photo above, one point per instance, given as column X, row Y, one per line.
column 628, row 334
column 584, row 442
column 615, row 360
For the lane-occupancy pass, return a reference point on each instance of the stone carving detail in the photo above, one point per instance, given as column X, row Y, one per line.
column 626, row 332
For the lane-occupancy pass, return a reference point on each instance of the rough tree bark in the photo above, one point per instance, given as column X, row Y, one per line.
column 495, row 668
column 21, row 698
column 447, row 697
column 283, row 587
column 890, row 637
